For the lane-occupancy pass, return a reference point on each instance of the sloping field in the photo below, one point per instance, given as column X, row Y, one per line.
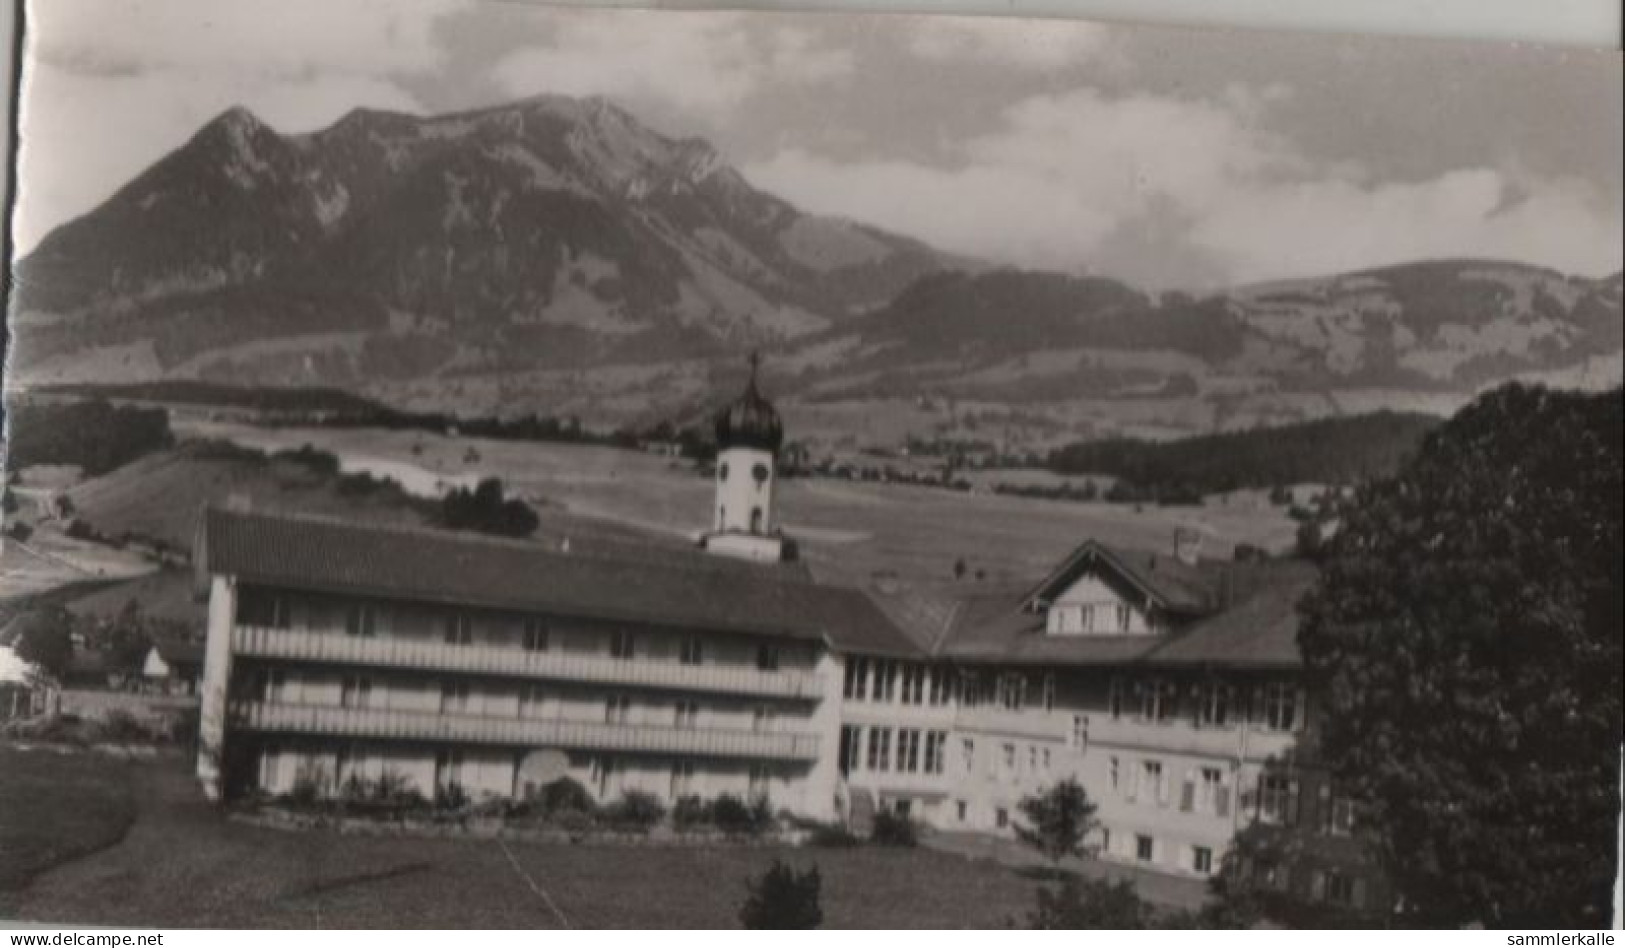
column 159, row 496
column 848, row 530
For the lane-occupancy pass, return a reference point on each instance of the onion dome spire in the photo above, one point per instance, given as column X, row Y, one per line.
column 750, row 421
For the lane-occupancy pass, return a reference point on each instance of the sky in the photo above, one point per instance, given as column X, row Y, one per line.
column 1168, row 157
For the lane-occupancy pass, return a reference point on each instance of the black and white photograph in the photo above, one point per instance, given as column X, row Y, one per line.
column 497, row 465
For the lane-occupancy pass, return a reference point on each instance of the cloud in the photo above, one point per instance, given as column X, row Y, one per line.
column 288, row 37
column 110, row 86
column 1177, row 192
column 702, row 65
column 1029, row 44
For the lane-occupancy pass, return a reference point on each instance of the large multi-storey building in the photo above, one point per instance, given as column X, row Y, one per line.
column 1168, row 685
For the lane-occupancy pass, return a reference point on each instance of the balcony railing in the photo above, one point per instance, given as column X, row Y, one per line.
column 517, row 662
column 522, row 732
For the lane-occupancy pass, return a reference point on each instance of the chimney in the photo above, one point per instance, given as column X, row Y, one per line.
column 1187, row 545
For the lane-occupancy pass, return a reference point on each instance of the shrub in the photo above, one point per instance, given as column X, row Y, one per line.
column 307, row 786
column 574, row 822
column 893, row 829
column 565, row 795
column 450, row 796
column 355, row 788
column 761, row 816
column 730, row 814
column 831, row 836
column 690, row 812
column 637, row 810
column 783, row 899
column 736, row 817
column 393, row 787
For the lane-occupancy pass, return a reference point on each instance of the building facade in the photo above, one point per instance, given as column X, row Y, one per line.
column 1169, row 686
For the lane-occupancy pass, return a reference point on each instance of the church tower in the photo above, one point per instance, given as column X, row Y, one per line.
column 749, row 435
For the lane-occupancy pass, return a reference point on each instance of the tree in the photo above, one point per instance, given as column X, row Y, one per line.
column 1465, row 636
column 783, row 899
column 46, row 640
column 1090, row 903
column 486, row 510
column 1059, row 821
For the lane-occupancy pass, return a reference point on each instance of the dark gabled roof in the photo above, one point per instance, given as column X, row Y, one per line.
column 1253, row 623
column 1258, row 630
column 704, row 592
column 1173, row 584
column 178, row 652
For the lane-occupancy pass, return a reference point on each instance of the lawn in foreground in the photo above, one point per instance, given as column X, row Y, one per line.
column 56, row 806
column 182, row 864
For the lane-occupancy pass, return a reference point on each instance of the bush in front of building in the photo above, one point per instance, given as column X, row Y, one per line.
column 893, row 829
column 690, row 813
column 564, row 795
column 735, row 817
column 783, row 899
column 635, row 810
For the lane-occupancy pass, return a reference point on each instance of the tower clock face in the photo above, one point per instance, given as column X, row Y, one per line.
column 759, row 472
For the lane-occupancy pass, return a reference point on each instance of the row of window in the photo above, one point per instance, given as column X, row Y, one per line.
column 1277, row 705
column 1090, row 618
column 885, row 680
column 888, row 680
column 1199, row 859
column 356, row 691
column 917, row 751
column 1279, row 801
column 1203, row 789
column 1275, row 800
column 361, row 621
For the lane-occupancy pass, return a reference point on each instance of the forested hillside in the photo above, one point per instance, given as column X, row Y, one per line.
column 1331, row 451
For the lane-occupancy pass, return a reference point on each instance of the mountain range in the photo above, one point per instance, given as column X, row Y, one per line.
column 557, row 255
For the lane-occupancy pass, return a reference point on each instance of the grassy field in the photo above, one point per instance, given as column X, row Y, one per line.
column 183, row 864
column 848, row 530
column 55, row 807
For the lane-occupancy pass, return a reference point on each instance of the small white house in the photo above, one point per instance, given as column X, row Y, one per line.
column 173, row 667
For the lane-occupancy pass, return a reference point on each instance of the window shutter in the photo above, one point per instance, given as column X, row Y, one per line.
column 1221, row 801
column 1255, row 706
column 1359, row 893
column 1293, row 801
column 1162, row 789
column 1187, row 797
column 1302, row 719
column 1317, row 882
